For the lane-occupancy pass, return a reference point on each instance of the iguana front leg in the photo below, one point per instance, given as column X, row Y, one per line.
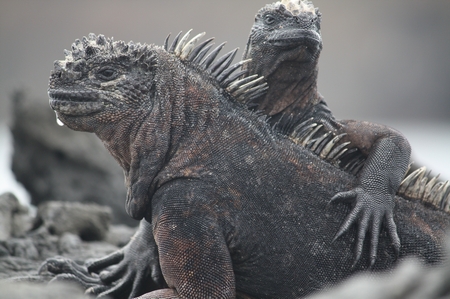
column 388, row 155
column 135, row 269
column 195, row 260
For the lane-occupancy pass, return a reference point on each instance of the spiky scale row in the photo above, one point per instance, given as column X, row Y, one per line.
column 200, row 51
column 243, row 90
column 181, row 44
column 223, row 63
column 326, row 152
column 227, row 72
column 419, row 185
column 211, row 56
column 325, row 145
column 318, row 143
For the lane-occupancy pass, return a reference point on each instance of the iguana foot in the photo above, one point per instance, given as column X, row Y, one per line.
column 125, row 276
column 67, row 270
column 118, row 277
column 369, row 211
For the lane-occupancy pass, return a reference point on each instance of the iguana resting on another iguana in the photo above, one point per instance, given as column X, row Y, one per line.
column 232, row 207
column 284, row 46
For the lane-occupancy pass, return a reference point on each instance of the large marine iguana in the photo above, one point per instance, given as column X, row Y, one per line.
column 284, row 46
column 233, row 207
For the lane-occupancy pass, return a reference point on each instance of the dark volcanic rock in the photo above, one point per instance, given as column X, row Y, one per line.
column 73, row 230
column 58, row 164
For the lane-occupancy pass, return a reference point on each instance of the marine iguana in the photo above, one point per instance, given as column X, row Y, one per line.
column 233, row 207
column 284, row 46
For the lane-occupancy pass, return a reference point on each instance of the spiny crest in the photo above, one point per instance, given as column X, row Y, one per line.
column 420, row 185
column 93, row 45
column 298, row 6
column 242, row 89
column 325, row 144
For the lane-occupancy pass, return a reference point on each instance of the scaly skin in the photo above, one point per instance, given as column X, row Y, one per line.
column 285, row 48
column 236, row 209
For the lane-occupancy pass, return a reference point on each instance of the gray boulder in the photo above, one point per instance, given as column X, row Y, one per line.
column 88, row 221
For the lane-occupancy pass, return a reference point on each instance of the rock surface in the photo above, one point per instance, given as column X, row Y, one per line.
column 74, row 230
column 89, row 221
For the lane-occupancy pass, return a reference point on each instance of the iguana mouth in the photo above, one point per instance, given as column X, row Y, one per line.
column 295, row 37
column 74, row 104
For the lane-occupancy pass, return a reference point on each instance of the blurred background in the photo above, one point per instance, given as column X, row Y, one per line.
column 386, row 61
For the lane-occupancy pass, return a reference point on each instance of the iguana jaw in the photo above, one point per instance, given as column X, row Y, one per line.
column 292, row 38
column 75, row 103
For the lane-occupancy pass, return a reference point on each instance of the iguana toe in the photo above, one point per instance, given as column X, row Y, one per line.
column 368, row 213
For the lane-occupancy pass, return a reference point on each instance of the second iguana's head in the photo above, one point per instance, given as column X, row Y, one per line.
column 285, row 31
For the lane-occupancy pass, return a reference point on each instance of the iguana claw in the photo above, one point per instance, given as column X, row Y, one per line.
column 67, row 270
column 369, row 212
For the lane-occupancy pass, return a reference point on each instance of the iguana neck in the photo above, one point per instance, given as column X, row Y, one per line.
column 150, row 134
column 122, row 138
column 291, row 84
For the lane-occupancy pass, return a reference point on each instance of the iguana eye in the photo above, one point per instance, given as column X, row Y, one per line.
column 107, row 74
column 269, row 19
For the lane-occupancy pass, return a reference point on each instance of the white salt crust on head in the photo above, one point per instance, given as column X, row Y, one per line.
column 298, row 6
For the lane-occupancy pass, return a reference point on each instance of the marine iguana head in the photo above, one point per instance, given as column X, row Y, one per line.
column 285, row 31
column 107, row 87
column 100, row 82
